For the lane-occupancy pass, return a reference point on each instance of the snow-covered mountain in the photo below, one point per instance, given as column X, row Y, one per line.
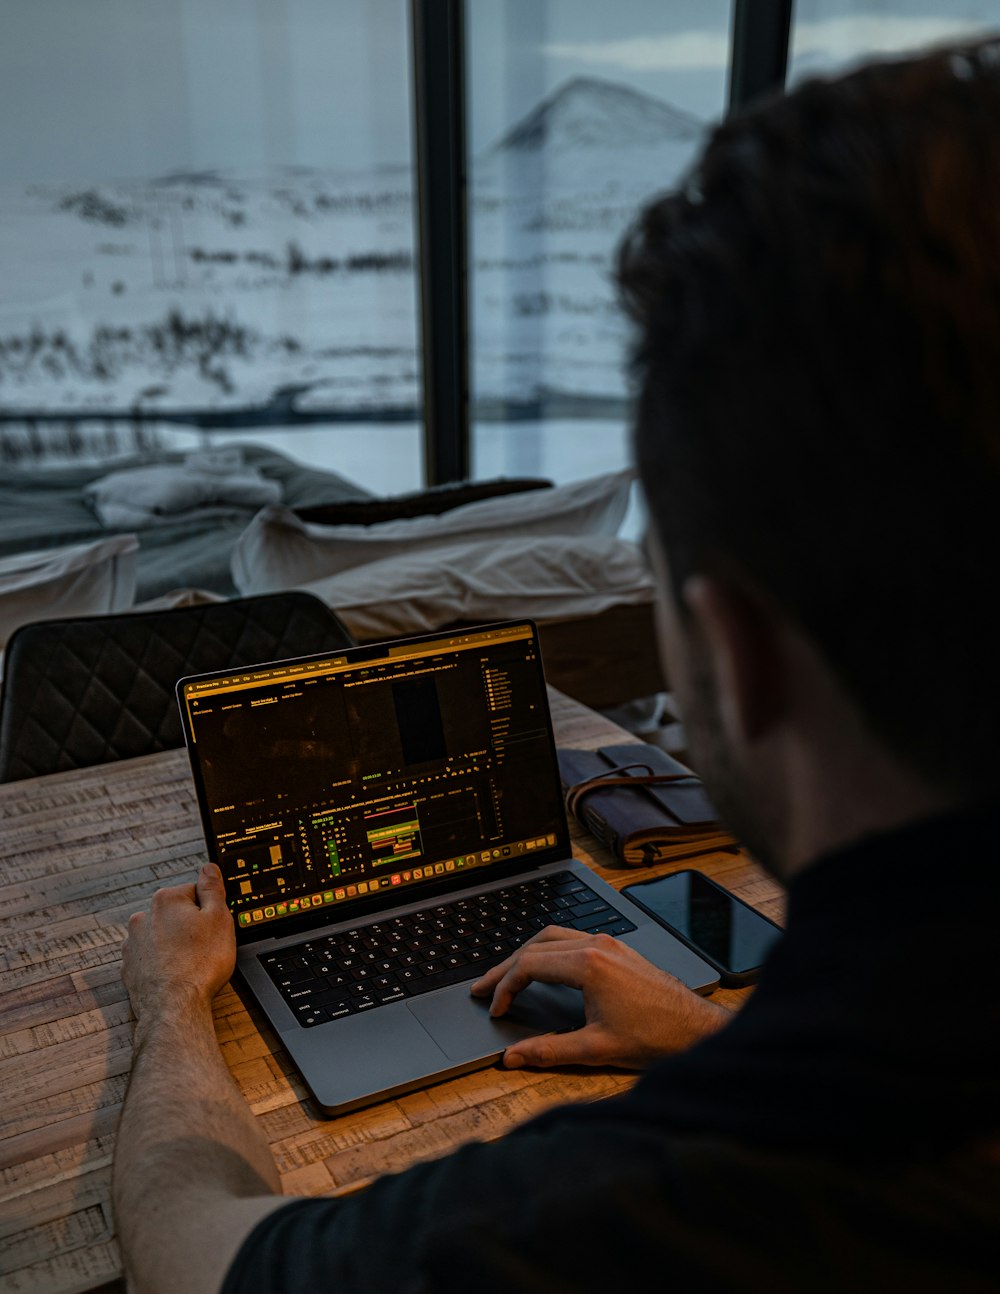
column 550, row 202
column 588, row 112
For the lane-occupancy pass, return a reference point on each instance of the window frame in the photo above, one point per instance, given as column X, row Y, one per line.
column 758, row 65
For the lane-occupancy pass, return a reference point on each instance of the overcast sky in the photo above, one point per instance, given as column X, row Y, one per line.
column 98, row 89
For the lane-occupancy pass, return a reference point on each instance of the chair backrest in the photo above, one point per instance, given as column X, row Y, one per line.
column 99, row 688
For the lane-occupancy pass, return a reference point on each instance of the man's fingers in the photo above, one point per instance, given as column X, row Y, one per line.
column 577, row 1047
column 487, row 982
column 553, row 964
column 174, row 893
column 208, row 891
column 211, row 890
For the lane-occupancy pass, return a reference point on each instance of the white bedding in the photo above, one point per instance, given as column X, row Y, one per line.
column 549, row 578
column 140, row 497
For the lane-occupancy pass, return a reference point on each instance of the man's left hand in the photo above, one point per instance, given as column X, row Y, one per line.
column 183, row 947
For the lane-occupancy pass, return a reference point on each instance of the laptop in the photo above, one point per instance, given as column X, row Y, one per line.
column 389, row 823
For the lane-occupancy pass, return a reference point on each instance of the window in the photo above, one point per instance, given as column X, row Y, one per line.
column 829, row 35
column 207, row 233
column 207, row 226
column 577, row 113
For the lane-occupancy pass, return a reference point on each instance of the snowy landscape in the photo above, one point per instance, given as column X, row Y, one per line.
column 296, row 291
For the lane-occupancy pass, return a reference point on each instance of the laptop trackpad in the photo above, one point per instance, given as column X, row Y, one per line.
column 461, row 1025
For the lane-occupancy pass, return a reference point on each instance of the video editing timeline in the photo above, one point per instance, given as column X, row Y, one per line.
column 332, row 780
column 393, row 834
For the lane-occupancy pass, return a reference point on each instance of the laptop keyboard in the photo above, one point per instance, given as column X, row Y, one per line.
column 358, row 970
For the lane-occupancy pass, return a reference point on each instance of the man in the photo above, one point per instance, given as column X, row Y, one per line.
column 818, row 435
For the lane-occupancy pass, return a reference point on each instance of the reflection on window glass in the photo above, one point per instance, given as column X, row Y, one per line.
column 830, row 35
column 577, row 112
column 206, row 215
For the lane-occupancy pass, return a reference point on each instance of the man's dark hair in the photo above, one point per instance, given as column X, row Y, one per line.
column 818, row 386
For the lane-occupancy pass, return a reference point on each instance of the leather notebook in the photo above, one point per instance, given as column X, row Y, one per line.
column 640, row 802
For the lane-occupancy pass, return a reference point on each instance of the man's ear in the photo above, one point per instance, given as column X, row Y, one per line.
column 742, row 634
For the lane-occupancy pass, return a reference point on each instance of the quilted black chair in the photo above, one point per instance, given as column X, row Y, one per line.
column 99, row 688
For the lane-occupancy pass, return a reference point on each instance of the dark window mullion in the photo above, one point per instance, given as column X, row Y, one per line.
column 759, row 59
column 438, row 35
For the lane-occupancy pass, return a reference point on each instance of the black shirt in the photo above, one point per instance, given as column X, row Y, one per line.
column 836, row 1135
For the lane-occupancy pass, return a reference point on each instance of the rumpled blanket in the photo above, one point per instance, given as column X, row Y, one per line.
column 213, row 479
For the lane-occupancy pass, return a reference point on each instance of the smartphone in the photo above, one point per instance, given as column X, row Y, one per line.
column 715, row 924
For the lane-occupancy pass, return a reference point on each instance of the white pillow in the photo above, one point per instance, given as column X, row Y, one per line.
column 486, row 580
column 87, row 579
column 278, row 550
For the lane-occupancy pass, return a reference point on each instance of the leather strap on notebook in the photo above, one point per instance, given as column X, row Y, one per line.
column 620, row 777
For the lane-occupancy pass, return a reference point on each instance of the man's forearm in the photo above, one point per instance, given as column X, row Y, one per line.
column 187, row 1143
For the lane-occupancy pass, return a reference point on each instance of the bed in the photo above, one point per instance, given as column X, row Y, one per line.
column 602, row 658
column 45, row 508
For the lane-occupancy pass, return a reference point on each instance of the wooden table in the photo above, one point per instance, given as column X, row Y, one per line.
column 79, row 852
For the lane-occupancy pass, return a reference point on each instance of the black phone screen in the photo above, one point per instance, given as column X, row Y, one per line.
column 712, row 920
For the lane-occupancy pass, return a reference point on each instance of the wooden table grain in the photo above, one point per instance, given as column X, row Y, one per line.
column 79, row 852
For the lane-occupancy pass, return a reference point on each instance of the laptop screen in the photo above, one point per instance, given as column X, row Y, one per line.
column 328, row 780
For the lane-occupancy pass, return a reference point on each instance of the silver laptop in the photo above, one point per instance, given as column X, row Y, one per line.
column 389, row 822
